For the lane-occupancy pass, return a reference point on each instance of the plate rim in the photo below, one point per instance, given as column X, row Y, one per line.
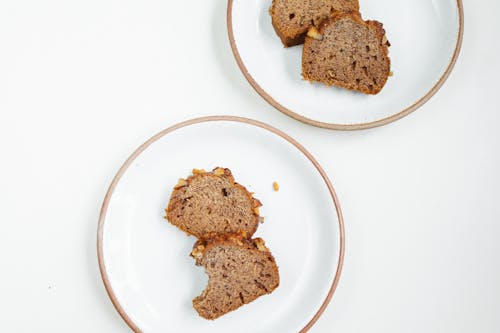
column 102, row 216
column 346, row 127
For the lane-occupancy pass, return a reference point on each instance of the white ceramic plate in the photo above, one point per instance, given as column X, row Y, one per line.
column 425, row 36
column 144, row 260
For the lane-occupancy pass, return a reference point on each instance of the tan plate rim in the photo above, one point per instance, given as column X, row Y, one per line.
column 144, row 146
column 344, row 127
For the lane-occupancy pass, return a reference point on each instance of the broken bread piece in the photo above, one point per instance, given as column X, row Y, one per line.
column 292, row 18
column 212, row 202
column 239, row 271
column 348, row 52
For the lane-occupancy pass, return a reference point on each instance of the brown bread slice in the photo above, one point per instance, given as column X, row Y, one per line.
column 239, row 271
column 292, row 18
column 348, row 52
column 212, row 202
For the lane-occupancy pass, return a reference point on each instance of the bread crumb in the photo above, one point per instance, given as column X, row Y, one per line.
column 391, row 73
column 276, row 186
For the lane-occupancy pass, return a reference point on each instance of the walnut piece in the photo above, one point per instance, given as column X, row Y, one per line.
column 314, row 33
column 181, row 183
column 261, row 245
column 197, row 252
column 219, row 171
column 198, row 171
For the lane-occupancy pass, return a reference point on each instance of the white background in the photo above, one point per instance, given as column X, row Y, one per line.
column 83, row 83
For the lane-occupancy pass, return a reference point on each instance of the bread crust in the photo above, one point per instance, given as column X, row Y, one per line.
column 289, row 41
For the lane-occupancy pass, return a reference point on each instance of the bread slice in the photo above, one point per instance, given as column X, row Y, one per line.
column 292, row 18
column 212, row 202
column 239, row 271
column 348, row 52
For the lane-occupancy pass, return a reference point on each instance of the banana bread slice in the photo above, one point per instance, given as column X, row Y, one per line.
column 212, row 202
column 239, row 271
column 348, row 52
column 292, row 18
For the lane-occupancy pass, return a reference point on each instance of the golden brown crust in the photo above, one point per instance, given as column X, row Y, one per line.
column 288, row 41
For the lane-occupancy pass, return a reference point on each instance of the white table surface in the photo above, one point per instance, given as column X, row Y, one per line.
column 83, row 83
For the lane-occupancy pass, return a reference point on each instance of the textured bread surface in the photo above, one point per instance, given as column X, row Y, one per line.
column 292, row 18
column 348, row 52
column 239, row 271
column 212, row 202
